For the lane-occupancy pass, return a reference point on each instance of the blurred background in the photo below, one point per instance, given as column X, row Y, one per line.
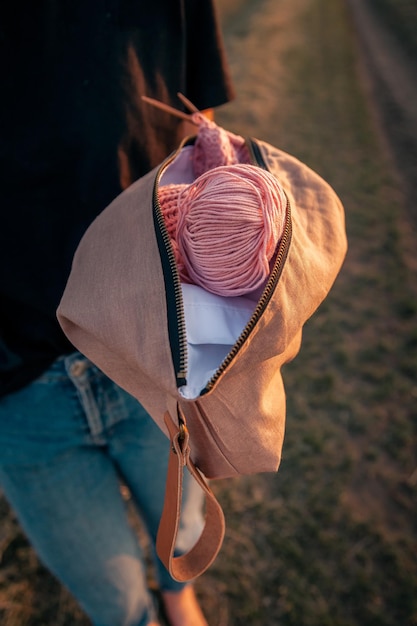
column 331, row 539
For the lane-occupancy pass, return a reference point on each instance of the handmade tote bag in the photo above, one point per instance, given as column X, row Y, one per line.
column 185, row 294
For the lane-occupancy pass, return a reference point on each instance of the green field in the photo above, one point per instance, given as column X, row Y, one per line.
column 331, row 539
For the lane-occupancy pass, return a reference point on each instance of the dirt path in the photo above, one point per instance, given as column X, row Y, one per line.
column 391, row 76
column 258, row 37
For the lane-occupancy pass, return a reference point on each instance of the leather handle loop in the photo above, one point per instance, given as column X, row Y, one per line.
column 203, row 553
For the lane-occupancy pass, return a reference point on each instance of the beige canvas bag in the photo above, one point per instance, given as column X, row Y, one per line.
column 126, row 310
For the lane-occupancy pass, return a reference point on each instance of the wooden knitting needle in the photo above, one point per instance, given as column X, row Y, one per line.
column 168, row 109
column 187, row 103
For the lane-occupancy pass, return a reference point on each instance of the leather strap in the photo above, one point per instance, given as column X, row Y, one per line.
column 203, row 553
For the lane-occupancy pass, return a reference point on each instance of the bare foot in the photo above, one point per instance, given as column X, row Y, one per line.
column 182, row 608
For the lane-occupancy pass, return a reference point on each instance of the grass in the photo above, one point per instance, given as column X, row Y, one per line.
column 333, row 538
column 401, row 17
column 330, row 540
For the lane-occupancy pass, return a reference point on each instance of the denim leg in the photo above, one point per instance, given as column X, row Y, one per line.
column 141, row 452
column 57, row 473
column 71, row 509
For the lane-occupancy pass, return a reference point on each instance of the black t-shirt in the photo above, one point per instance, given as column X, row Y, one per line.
column 74, row 132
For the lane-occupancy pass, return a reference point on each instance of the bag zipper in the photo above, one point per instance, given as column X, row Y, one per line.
column 175, row 307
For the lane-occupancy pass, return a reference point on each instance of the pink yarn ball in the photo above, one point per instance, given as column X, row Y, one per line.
column 230, row 221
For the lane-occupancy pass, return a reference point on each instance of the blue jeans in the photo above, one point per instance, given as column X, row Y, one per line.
column 66, row 440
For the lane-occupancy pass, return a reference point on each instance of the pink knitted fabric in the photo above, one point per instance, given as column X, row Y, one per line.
column 168, row 199
column 226, row 225
column 215, row 146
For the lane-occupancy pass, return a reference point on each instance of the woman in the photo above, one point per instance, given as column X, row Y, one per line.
column 75, row 132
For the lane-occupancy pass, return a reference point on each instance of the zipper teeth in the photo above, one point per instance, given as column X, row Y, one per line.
column 182, row 373
column 266, row 296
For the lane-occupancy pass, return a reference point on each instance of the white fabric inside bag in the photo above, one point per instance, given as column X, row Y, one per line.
column 213, row 324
